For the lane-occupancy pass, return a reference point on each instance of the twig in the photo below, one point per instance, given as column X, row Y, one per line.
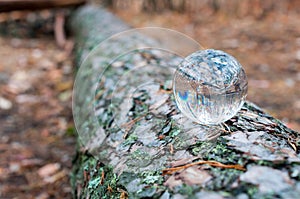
column 59, row 30
column 102, row 178
column 171, row 148
column 129, row 124
column 169, row 171
column 294, row 147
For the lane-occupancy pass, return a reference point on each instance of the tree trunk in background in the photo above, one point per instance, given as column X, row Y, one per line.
column 255, row 157
column 11, row 5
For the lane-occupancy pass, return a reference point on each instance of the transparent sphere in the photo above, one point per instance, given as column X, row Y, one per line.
column 210, row 86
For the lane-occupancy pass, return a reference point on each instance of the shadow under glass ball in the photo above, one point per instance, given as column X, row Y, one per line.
column 210, row 86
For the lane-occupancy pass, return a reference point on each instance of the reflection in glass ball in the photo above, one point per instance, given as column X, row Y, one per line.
column 210, row 86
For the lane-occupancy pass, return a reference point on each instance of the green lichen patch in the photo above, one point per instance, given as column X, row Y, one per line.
column 148, row 184
column 130, row 140
column 95, row 179
column 218, row 151
column 152, row 177
column 223, row 178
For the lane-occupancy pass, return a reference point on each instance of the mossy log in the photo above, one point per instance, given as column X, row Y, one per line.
column 253, row 155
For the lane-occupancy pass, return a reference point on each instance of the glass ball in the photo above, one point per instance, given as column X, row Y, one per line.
column 210, row 86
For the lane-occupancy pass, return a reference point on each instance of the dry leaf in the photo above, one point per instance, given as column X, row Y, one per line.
column 5, row 104
column 55, row 177
column 194, row 176
column 48, row 169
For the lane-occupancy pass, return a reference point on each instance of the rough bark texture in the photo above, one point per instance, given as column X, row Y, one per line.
column 253, row 156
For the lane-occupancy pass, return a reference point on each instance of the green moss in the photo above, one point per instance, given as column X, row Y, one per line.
column 264, row 163
column 223, row 178
column 88, row 174
column 174, row 133
column 252, row 191
column 200, row 148
column 146, row 192
column 71, row 131
column 147, row 184
column 152, row 177
column 218, row 151
column 186, row 190
column 93, row 184
column 140, row 155
column 245, row 188
column 130, row 140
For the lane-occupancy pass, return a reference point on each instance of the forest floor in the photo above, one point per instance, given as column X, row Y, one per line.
column 37, row 139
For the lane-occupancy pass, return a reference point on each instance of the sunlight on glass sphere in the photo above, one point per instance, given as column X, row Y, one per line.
column 210, row 86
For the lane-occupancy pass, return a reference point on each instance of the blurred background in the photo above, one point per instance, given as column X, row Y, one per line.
column 37, row 137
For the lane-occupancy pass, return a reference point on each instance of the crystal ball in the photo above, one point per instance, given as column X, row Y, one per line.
column 210, row 86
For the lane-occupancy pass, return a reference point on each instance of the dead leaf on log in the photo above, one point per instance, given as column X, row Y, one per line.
column 190, row 176
column 195, row 176
column 172, row 182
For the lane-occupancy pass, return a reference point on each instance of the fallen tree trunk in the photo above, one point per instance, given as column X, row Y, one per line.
column 253, row 156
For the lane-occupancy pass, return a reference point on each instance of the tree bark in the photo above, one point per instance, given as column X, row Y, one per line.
column 252, row 156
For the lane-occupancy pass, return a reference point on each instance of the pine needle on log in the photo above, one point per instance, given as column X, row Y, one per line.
column 169, row 171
